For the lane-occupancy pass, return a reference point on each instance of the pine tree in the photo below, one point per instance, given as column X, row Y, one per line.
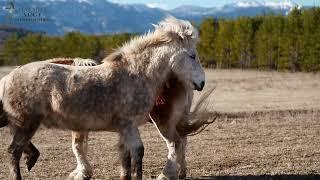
column 223, row 49
column 268, row 42
column 208, row 33
column 243, row 42
column 311, row 38
column 291, row 42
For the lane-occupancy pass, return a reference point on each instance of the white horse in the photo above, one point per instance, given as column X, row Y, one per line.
column 167, row 103
column 175, row 97
column 114, row 96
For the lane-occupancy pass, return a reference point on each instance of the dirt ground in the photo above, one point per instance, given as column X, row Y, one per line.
column 269, row 128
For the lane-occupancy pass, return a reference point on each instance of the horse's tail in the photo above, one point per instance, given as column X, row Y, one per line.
column 73, row 61
column 197, row 120
column 3, row 118
column 84, row 62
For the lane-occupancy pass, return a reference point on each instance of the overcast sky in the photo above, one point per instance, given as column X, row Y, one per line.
column 170, row 4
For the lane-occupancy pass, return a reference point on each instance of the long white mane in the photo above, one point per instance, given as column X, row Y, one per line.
column 168, row 30
column 181, row 27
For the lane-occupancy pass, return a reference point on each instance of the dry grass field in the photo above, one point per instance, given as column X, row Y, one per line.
column 268, row 128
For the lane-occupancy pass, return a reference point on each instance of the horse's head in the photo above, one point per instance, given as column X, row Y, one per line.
column 186, row 66
column 184, row 62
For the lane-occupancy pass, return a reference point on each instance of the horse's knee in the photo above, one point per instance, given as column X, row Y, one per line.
column 138, row 152
column 137, row 157
column 15, row 150
column 130, row 137
column 125, row 162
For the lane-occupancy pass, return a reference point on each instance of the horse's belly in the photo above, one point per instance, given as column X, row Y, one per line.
column 78, row 124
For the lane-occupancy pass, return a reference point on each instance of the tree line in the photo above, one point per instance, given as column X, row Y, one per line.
column 36, row 47
column 271, row 42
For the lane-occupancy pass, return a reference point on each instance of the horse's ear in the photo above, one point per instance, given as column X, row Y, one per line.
column 177, row 36
column 181, row 37
column 155, row 26
column 185, row 35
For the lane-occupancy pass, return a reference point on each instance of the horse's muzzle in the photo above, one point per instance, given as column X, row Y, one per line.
column 199, row 87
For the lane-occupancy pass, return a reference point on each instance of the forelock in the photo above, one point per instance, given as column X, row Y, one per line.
column 184, row 29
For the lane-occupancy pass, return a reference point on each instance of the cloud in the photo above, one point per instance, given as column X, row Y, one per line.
column 157, row 5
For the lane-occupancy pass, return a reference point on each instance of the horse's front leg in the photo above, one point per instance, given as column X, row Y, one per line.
column 181, row 158
column 125, row 160
column 130, row 137
column 80, row 148
column 174, row 145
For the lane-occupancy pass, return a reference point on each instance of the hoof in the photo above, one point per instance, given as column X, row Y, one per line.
column 182, row 176
column 128, row 177
column 32, row 159
column 164, row 177
column 79, row 175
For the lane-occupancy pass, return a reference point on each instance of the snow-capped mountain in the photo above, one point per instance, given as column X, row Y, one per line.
column 247, row 4
column 88, row 16
column 287, row 4
column 102, row 16
column 238, row 8
column 281, row 4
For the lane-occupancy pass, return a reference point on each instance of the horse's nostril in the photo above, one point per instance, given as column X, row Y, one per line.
column 195, row 85
column 199, row 87
column 202, row 84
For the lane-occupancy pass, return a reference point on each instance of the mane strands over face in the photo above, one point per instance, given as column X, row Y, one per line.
column 166, row 31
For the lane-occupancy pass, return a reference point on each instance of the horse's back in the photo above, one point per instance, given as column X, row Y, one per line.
column 72, row 93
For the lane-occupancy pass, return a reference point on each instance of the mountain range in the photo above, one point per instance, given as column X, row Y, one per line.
column 56, row 17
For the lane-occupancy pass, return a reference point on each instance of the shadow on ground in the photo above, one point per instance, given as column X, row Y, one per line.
column 262, row 177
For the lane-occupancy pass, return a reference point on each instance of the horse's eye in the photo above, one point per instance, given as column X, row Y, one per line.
column 192, row 56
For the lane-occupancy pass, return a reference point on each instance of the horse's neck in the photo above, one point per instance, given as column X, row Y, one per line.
column 158, row 69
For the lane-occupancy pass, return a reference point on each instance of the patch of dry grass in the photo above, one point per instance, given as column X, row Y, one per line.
column 249, row 91
column 274, row 143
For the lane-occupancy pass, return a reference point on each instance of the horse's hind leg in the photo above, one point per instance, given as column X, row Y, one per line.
column 80, row 148
column 31, row 155
column 125, row 161
column 130, row 136
column 21, row 139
